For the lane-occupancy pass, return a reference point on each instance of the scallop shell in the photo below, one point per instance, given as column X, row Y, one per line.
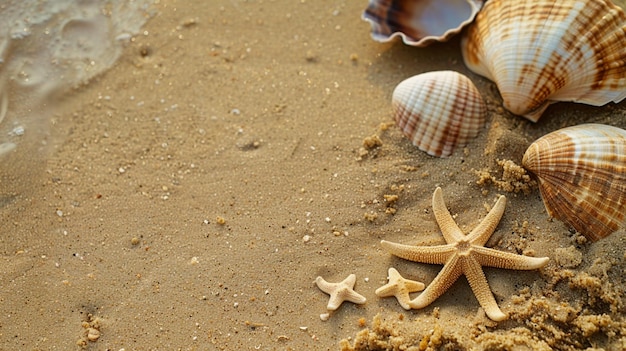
column 582, row 176
column 438, row 111
column 419, row 22
column 542, row 51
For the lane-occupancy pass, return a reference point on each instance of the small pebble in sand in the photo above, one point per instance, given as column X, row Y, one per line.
column 370, row 216
column 324, row 316
column 134, row 241
column 93, row 334
column 372, row 142
column 220, row 220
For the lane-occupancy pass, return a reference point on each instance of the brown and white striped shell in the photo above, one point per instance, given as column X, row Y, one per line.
column 542, row 51
column 582, row 176
column 419, row 22
column 438, row 111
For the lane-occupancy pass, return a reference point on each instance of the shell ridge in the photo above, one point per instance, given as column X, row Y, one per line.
column 582, row 176
column 438, row 111
column 538, row 52
column 578, row 213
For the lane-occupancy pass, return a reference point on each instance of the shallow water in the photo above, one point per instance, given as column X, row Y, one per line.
column 48, row 47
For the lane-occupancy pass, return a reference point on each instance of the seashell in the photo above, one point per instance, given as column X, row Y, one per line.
column 542, row 51
column 438, row 111
column 419, row 22
column 582, row 176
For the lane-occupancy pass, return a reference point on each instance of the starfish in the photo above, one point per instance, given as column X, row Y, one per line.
column 464, row 254
column 399, row 287
column 340, row 292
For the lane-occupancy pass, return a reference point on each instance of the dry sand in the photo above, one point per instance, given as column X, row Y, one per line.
column 172, row 208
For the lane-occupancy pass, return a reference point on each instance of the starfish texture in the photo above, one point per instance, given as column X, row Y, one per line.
column 464, row 254
column 399, row 287
column 340, row 292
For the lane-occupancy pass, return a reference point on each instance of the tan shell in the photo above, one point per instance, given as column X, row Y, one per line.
column 582, row 176
column 542, row 51
column 438, row 111
column 419, row 22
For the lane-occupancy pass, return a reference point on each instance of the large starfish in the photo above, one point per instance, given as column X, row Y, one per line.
column 464, row 254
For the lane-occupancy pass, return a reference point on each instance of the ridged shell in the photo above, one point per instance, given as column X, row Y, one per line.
column 438, row 111
column 419, row 22
column 582, row 176
column 542, row 51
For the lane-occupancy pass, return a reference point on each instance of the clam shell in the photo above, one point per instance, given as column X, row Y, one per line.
column 542, row 51
column 419, row 22
column 438, row 111
column 582, row 176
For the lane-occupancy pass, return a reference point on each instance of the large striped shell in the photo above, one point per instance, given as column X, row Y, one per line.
column 438, row 111
column 582, row 176
column 542, row 51
column 419, row 22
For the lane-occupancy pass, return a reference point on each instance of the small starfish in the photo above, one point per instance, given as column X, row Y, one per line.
column 464, row 254
column 399, row 287
column 340, row 292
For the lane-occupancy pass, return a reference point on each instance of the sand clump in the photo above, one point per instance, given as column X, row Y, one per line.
column 575, row 310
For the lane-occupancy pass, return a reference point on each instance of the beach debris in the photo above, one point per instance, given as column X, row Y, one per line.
column 438, row 111
column 91, row 330
column 541, row 51
column 399, row 287
column 340, row 292
column 464, row 255
column 420, row 22
column 582, row 177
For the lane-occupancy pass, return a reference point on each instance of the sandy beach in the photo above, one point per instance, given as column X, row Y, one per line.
column 188, row 197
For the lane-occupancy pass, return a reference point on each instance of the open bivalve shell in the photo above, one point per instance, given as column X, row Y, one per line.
column 582, row 177
column 542, row 51
column 438, row 111
column 419, row 22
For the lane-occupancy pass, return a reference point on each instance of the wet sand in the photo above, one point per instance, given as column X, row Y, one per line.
column 189, row 197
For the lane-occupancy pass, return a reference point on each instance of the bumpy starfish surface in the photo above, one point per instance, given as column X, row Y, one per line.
column 464, row 254
column 399, row 287
column 340, row 292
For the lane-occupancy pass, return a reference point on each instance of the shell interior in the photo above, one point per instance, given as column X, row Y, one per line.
column 421, row 22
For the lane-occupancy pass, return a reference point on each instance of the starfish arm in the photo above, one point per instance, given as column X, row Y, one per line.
column 487, row 226
column 402, row 295
column 387, row 290
column 450, row 230
column 324, row 285
column 426, row 254
column 330, row 288
column 414, row 286
column 352, row 296
column 478, row 282
column 400, row 292
column 393, row 286
column 501, row 259
column 450, row 272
